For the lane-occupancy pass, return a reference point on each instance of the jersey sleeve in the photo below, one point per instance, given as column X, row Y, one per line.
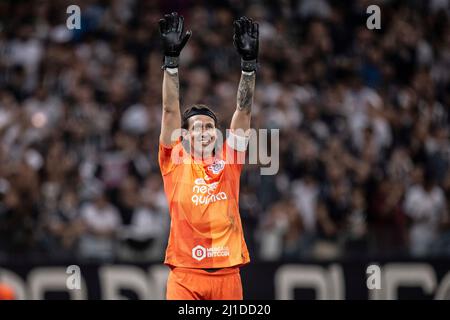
column 166, row 157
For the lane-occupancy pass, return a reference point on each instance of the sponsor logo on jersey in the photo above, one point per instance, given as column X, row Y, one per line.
column 204, row 193
column 199, row 252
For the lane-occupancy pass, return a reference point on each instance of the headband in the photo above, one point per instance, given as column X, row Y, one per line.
column 197, row 111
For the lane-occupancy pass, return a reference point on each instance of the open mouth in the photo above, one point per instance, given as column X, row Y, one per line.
column 205, row 141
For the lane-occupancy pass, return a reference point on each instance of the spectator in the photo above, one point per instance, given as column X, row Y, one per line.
column 64, row 227
column 280, row 231
column 426, row 206
column 101, row 222
column 144, row 220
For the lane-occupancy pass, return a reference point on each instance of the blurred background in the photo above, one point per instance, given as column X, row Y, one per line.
column 363, row 118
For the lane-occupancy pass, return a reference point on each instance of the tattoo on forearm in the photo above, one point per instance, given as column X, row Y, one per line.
column 245, row 92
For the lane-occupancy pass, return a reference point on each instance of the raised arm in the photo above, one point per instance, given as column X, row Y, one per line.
column 246, row 41
column 171, row 116
column 242, row 115
column 173, row 41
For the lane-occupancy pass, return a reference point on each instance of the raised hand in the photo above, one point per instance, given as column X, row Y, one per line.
column 246, row 41
column 172, row 38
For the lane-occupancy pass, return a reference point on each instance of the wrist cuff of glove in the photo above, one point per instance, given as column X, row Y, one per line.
column 170, row 62
column 249, row 65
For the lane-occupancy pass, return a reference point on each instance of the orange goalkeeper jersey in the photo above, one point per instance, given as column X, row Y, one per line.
column 203, row 197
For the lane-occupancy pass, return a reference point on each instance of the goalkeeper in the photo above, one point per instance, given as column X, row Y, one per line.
column 206, row 244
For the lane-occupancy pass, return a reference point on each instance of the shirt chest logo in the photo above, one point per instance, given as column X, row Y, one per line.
column 206, row 193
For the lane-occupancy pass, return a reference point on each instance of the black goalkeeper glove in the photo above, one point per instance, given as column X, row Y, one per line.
column 246, row 41
column 173, row 41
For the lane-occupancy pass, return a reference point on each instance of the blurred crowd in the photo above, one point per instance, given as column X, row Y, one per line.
column 363, row 118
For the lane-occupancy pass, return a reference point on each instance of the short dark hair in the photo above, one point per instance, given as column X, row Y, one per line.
column 202, row 109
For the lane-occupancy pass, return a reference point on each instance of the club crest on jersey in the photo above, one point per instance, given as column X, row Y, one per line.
column 217, row 166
